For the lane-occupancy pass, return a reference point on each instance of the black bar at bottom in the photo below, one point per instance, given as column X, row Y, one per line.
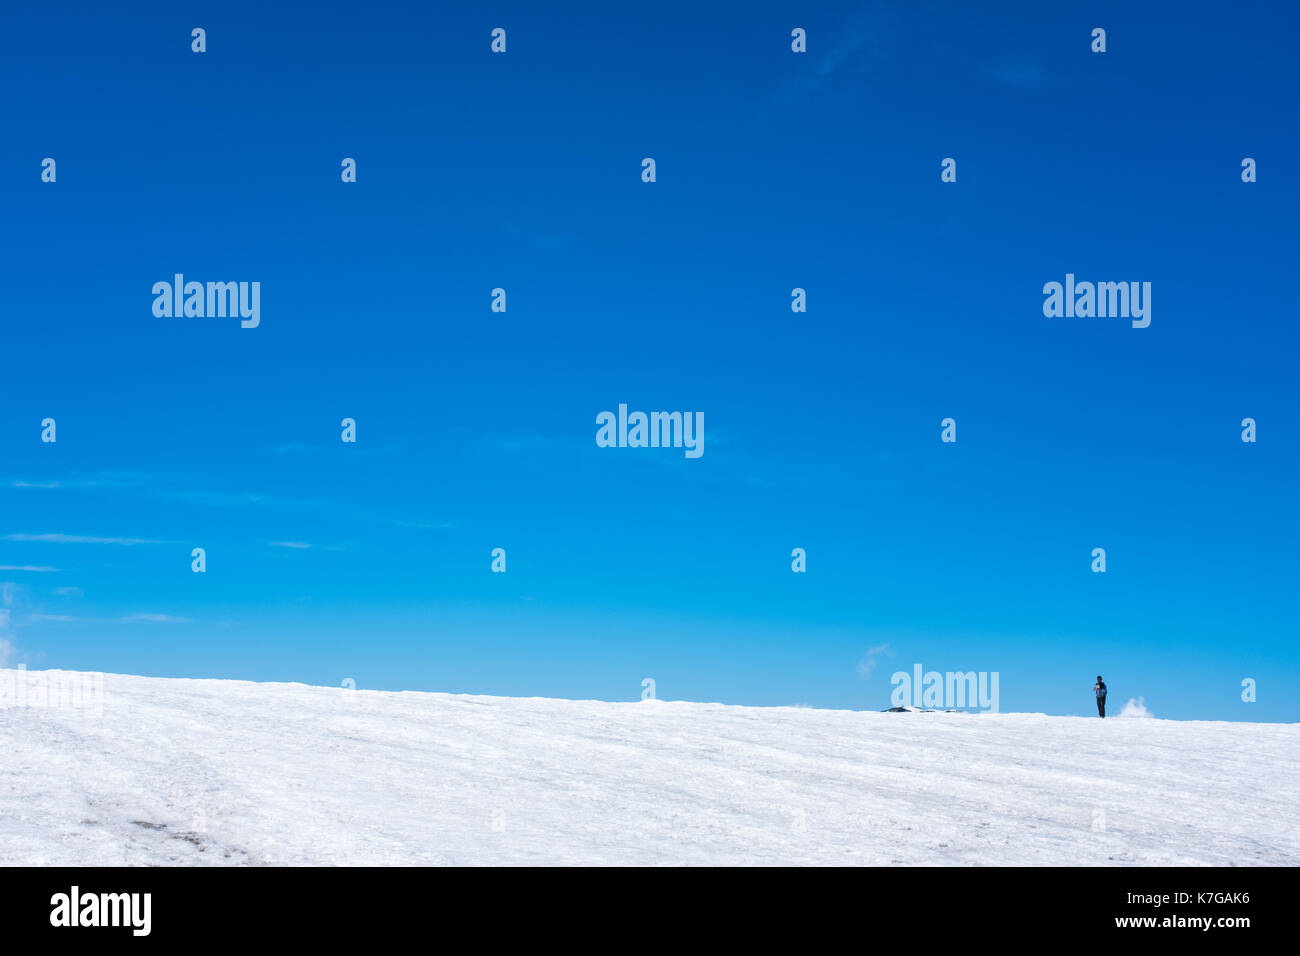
column 969, row 906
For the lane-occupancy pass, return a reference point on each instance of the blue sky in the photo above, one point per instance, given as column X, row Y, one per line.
column 476, row 429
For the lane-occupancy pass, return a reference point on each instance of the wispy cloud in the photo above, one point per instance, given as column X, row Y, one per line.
column 108, row 479
column 69, row 592
column 26, row 567
column 143, row 618
column 868, row 662
column 171, row 487
column 78, row 539
column 297, row 545
column 842, row 56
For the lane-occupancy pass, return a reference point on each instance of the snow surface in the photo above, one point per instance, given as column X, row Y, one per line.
column 231, row 772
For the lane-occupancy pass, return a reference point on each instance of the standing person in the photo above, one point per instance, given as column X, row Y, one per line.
column 1099, row 689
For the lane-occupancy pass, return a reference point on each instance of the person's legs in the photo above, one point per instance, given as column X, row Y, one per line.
column 1101, row 706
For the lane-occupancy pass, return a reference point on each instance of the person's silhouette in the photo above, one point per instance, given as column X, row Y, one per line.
column 1099, row 689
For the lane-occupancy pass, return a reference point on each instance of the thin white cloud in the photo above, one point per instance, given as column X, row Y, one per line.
column 69, row 592
column 868, row 662
column 106, row 480
column 25, row 567
column 78, row 539
column 40, row 618
column 299, row 545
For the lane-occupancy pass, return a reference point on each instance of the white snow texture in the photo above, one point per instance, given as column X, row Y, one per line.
column 199, row 772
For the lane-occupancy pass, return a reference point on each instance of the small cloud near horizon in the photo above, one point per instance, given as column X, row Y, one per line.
column 1136, row 707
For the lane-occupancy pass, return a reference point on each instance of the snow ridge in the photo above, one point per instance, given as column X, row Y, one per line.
column 210, row 772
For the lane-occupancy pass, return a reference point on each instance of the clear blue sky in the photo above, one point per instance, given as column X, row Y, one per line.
column 477, row 429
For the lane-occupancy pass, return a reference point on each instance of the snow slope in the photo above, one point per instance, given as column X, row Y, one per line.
column 229, row 772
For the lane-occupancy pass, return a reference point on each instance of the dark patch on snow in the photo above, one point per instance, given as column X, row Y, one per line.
column 193, row 838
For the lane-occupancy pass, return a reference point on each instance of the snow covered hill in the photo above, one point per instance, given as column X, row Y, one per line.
column 229, row 772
